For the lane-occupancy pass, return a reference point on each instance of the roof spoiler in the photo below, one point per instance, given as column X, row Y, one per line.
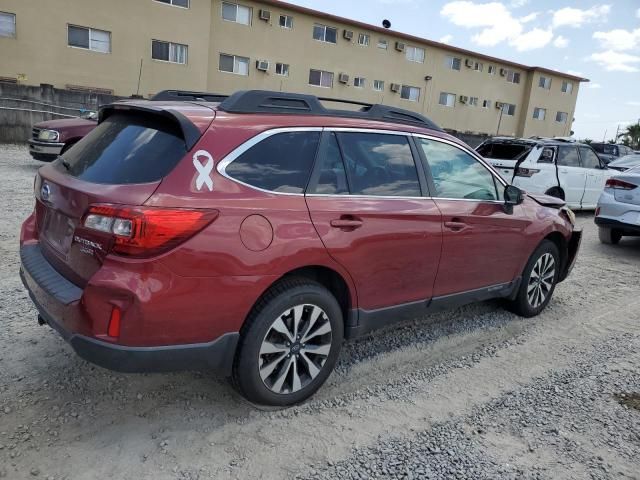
column 190, row 132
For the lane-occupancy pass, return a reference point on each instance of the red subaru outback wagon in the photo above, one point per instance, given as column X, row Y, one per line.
column 254, row 235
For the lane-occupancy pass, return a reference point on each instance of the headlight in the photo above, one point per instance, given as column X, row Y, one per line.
column 48, row 136
column 570, row 215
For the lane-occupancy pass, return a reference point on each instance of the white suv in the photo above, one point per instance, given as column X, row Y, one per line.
column 567, row 170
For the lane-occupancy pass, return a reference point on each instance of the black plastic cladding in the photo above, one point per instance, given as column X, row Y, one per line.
column 264, row 101
column 187, row 96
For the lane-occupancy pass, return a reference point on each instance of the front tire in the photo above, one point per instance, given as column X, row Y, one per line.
column 609, row 236
column 289, row 343
column 539, row 281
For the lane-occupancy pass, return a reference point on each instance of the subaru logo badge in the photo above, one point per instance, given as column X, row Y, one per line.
column 45, row 192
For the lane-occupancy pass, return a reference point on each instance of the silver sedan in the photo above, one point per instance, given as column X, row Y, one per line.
column 618, row 212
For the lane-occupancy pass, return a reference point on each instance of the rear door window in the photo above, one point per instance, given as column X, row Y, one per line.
column 568, row 157
column 379, row 164
column 281, row 163
column 126, row 149
column 589, row 158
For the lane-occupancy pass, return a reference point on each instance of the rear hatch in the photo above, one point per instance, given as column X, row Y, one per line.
column 503, row 154
column 121, row 162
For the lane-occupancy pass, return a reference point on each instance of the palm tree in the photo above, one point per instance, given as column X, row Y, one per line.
column 588, row 141
column 632, row 134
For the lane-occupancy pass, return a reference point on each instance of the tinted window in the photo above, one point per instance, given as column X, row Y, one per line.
column 606, row 148
column 379, row 164
column 589, row 158
column 568, row 157
column 126, row 149
column 331, row 176
column 504, row 151
column 280, row 163
column 456, row 174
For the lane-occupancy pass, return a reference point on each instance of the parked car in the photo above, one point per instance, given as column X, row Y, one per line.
column 252, row 236
column 618, row 212
column 625, row 163
column 52, row 137
column 608, row 152
column 567, row 170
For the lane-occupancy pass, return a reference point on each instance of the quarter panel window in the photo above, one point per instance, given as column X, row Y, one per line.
column 280, row 163
column 568, row 157
column 379, row 165
column 456, row 174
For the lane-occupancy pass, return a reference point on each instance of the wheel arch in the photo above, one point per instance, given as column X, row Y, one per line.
column 559, row 240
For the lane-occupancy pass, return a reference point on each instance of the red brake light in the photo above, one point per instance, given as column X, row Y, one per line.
column 619, row 184
column 146, row 231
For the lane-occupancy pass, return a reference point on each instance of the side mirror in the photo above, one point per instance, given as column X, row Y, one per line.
column 513, row 196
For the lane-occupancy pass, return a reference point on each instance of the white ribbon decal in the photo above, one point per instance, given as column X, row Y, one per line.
column 204, row 171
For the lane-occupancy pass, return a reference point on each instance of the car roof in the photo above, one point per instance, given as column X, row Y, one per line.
column 537, row 141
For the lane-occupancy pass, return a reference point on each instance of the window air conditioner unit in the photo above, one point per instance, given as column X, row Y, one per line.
column 347, row 34
column 468, row 63
column 265, row 15
column 262, row 65
column 395, row 87
column 464, row 99
column 343, row 78
column 503, row 72
column 400, row 46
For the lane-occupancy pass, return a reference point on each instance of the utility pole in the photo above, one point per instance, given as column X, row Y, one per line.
column 604, row 137
column 617, row 130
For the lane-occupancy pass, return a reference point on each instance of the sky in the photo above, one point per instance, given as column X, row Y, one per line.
column 596, row 40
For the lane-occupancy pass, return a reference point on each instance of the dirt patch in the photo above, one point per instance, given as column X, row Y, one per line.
column 631, row 400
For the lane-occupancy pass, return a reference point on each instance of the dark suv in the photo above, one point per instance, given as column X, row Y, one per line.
column 609, row 152
column 252, row 236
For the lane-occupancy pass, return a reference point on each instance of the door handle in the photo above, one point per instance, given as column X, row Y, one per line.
column 346, row 222
column 456, row 226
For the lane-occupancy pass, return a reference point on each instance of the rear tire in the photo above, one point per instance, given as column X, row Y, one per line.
column 556, row 192
column 539, row 281
column 609, row 236
column 289, row 343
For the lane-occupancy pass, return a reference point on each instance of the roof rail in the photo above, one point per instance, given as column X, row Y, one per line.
column 264, row 101
column 187, row 96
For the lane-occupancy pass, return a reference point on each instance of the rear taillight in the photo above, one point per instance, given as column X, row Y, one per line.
column 619, row 184
column 526, row 172
column 146, row 231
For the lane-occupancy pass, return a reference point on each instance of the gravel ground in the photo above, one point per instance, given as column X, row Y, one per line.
column 472, row 393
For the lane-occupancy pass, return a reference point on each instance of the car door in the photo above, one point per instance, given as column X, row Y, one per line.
column 366, row 202
column 596, row 177
column 482, row 240
column 572, row 176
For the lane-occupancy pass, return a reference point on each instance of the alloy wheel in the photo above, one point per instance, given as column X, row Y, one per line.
column 295, row 349
column 541, row 280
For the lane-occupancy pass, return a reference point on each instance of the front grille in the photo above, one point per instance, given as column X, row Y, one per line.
column 35, row 132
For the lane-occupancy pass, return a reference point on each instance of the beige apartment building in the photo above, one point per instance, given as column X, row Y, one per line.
column 144, row 46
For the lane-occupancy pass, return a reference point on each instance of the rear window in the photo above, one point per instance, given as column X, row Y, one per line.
column 124, row 149
column 504, row 151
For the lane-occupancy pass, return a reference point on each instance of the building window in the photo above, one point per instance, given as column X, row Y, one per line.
column 410, row 93
column 513, row 77
column 539, row 113
column 232, row 12
column 234, row 64
column 567, row 87
column 322, row 33
column 176, row 3
column 473, row 101
column 363, row 39
column 486, row 104
column 359, row 82
column 286, row 21
column 544, row 82
column 320, row 78
column 378, row 85
column 7, row 25
column 453, row 63
column 508, row 109
column 282, row 69
column 89, row 38
column 491, row 69
column 415, row 54
column 383, row 44
column 561, row 117
column 447, row 99
column 169, row 51
column 478, row 66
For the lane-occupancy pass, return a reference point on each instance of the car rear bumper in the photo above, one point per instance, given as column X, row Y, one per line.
column 625, row 228
column 44, row 150
column 572, row 253
column 58, row 303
